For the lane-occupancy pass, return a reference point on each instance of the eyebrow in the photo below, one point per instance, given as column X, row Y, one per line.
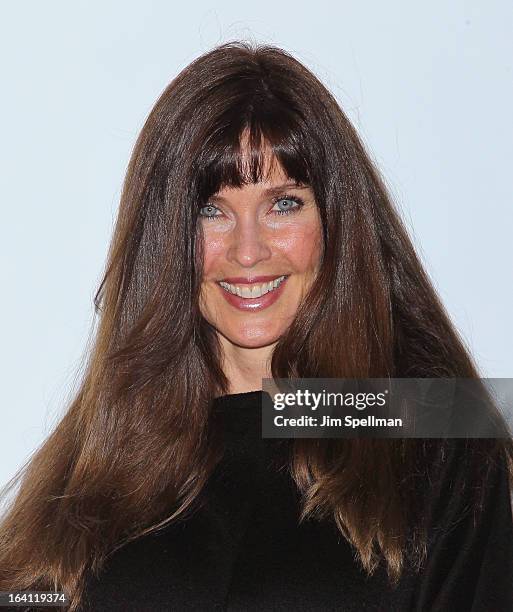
column 270, row 191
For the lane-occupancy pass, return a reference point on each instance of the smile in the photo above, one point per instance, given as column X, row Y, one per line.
column 255, row 291
column 247, row 296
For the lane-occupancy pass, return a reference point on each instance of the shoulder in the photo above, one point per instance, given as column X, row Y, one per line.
column 469, row 563
column 468, row 474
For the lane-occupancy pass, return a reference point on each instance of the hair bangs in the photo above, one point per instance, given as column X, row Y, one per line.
column 250, row 153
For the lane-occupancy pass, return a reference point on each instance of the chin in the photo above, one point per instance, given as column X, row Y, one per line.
column 252, row 337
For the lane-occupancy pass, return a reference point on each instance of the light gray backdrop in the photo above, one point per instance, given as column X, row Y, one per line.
column 428, row 86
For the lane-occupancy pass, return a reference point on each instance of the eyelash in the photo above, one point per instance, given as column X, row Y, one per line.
column 299, row 201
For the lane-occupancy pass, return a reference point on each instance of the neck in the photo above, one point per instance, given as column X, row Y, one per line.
column 246, row 367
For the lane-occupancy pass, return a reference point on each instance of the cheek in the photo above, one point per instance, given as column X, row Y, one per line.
column 301, row 245
column 298, row 242
column 212, row 250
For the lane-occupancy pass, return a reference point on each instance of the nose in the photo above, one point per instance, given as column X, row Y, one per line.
column 248, row 244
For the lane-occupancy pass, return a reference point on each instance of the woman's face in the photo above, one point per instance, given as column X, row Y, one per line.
column 262, row 249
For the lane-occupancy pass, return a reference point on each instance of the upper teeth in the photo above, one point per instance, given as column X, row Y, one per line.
column 255, row 291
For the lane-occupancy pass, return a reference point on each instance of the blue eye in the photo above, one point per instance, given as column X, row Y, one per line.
column 287, row 204
column 208, row 211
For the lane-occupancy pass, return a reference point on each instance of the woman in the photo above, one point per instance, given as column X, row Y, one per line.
column 256, row 239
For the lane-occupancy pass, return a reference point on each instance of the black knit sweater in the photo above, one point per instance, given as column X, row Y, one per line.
column 243, row 550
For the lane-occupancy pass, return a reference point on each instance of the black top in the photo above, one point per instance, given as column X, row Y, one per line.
column 243, row 550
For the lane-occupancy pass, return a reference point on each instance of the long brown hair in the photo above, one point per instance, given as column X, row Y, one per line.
column 134, row 449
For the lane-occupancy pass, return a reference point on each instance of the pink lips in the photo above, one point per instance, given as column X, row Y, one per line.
column 252, row 304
